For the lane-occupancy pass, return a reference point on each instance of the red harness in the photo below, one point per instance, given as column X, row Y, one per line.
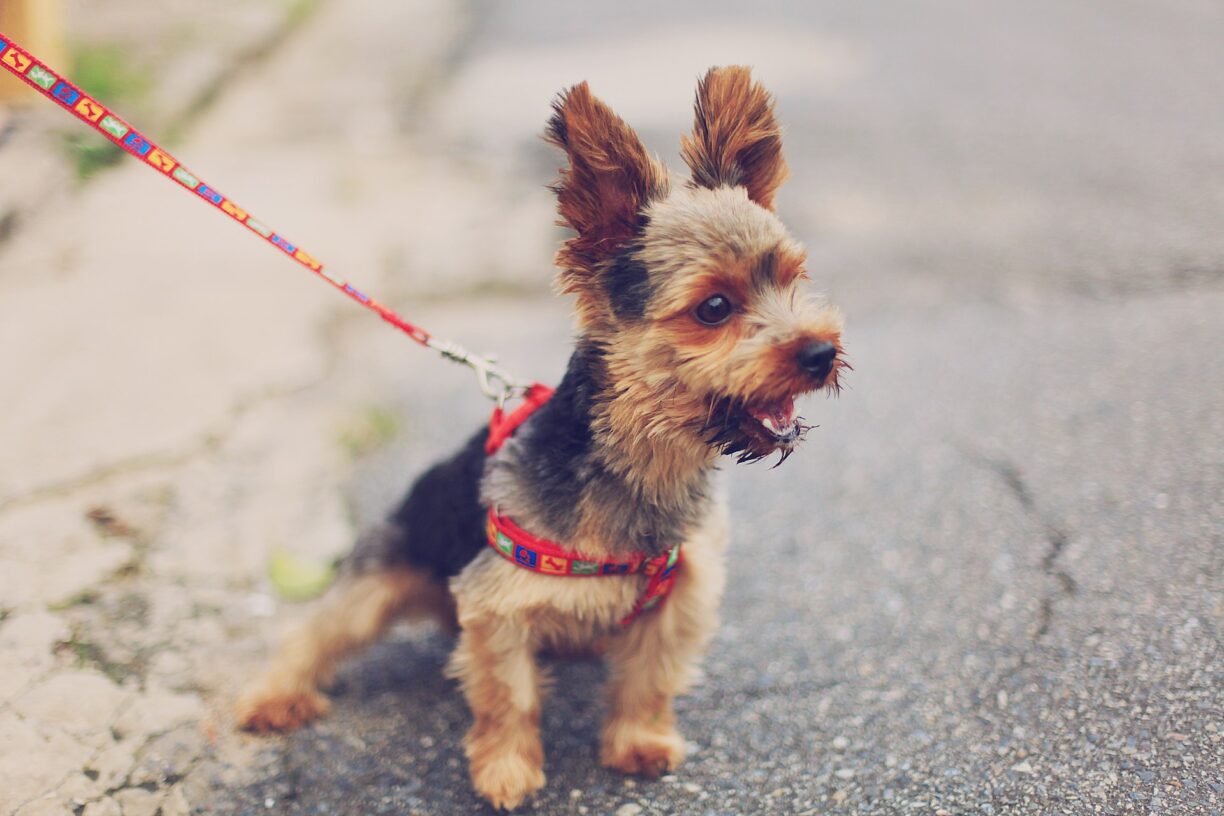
column 550, row 558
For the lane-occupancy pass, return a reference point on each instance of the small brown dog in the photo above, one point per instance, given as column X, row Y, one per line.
column 694, row 340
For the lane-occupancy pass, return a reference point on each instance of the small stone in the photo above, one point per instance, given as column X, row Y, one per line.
column 844, row 773
column 691, row 787
column 839, row 796
column 1024, row 767
column 629, row 809
column 840, row 743
column 575, row 794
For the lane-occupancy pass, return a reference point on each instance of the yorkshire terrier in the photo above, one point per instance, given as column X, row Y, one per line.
column 595, row 525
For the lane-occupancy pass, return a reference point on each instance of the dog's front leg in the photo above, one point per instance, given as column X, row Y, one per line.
column 654, row 659
column 495, row 663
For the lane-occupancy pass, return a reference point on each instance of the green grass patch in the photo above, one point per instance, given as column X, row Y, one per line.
column 83, row 598
column 87, row 654
column 374, row 428
column 299, row 11
column 298, row 578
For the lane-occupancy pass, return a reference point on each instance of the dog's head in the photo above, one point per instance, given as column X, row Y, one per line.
column 694, row 291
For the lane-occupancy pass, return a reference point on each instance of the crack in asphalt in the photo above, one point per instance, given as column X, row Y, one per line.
column 1056, row 536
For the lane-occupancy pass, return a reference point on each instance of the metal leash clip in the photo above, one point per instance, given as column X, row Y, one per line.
column 495, row 383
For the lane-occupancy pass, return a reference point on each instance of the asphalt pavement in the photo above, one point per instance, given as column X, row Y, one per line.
column 992, row 579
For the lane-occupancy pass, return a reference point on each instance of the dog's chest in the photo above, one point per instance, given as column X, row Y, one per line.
column 561, row 613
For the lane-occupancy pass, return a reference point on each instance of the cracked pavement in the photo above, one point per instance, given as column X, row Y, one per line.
column 991, row 581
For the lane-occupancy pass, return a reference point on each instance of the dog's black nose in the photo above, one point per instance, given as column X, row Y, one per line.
column 816, row 358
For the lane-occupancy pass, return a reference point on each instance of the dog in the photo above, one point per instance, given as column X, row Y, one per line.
column 695, row 336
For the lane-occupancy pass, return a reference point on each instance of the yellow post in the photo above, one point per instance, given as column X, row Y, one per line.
column 39, row 26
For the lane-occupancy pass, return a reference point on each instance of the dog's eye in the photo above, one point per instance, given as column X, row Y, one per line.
column 714, row 310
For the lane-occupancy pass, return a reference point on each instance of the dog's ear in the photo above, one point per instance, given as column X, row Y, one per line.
column 736, row 141
column 609, row 180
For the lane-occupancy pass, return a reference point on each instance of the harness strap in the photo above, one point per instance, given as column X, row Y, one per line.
column 503, row 426
column 550, row 558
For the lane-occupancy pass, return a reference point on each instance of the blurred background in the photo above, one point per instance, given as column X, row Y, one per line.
column 991, row 580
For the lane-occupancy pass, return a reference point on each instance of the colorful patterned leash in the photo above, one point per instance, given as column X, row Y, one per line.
column 494, row 381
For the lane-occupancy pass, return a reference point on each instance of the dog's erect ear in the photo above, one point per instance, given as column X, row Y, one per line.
column 609, row 180
column 736, row 141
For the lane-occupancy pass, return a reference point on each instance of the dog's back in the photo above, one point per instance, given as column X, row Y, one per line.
column 438, row 526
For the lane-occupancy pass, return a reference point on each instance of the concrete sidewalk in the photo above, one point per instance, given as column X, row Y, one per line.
column 184, row 403
column 991, row 581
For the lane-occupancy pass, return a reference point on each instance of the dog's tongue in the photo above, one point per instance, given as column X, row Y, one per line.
column 777, row 417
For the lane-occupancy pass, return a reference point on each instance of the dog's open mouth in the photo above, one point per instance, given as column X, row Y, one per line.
column 777, row 419
column 756, row 429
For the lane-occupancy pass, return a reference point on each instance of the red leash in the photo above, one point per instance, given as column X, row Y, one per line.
column 494, row 382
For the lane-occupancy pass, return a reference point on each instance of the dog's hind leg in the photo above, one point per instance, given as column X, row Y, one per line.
column 354, row 613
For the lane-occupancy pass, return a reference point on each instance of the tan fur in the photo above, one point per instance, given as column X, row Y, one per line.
column 698, row 243
column 355, row 613
column 643, row 425
column 508, row 615
column 656, row 659
column 736, row 141
column 495, row 664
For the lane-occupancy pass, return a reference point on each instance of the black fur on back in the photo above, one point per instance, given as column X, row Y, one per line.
column 439, row 527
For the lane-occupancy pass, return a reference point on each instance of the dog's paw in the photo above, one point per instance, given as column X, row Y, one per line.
column 507, row 779
column 264, row 711
column 636, row 749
